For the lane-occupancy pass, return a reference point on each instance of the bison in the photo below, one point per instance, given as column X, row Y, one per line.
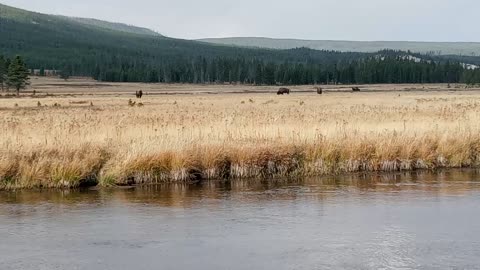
column 319, row 90
column 355, row 89
column 283, row 91
column 139, row 94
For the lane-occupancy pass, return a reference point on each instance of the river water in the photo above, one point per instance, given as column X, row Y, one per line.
column 385, row 221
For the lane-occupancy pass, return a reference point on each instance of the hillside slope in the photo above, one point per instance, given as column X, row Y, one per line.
column 441, row 48
column 19, row 15
column 55, row 41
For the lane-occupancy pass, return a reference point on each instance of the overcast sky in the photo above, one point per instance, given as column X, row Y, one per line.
column 413, row 20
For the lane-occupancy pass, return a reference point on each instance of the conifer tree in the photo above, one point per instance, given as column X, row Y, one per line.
column 3, row 72
column 17, row 75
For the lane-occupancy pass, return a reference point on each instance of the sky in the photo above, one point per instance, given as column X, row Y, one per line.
column 370, row 20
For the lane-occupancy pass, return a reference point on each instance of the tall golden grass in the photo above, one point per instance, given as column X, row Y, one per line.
column 102, row 140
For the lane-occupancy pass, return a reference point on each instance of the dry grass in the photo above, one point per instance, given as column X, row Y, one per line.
column 90, row 139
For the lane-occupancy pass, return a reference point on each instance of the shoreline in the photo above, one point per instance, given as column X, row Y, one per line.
column 359, row 178
column 92, row 166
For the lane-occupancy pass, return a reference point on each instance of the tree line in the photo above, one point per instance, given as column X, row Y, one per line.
column 381, row 68
column 384, row 69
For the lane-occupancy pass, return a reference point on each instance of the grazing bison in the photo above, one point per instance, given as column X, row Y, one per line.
column 283, row 91
column 139, row 94
column 355, row 89
column 319, row 90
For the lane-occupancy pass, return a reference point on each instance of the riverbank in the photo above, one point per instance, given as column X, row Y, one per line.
column 92, row 166
column 84, row 136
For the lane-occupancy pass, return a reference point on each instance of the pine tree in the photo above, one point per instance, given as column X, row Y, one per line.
column 17, row 76
column 3, row 72
column 65, row 72
column 259, row 75
column 64, row 75
column 269, row 74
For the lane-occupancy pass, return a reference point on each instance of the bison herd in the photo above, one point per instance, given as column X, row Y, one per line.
column 283, row 90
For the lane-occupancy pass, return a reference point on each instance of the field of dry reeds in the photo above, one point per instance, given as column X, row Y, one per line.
column 73, row 135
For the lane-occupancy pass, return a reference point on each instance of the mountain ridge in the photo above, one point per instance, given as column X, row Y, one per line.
column 25, row 16
column 122, row 27
column 439, row 48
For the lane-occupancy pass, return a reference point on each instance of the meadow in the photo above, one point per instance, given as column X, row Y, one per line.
column 81, row 132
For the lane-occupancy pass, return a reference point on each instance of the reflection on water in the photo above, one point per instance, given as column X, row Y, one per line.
column 393, row 221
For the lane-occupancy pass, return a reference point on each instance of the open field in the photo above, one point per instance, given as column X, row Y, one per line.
column 83, row 132
column 82, row 86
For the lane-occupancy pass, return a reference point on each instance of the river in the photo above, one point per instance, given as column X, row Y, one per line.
column 416, row 220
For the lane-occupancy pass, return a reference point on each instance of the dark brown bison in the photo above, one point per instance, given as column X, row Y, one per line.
column 283, row 91
column 139, row 94
column 319, row 90
column 355, row 89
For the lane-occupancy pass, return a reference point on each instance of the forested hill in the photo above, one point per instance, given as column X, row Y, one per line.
column 117, row 52
column 55, row 42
